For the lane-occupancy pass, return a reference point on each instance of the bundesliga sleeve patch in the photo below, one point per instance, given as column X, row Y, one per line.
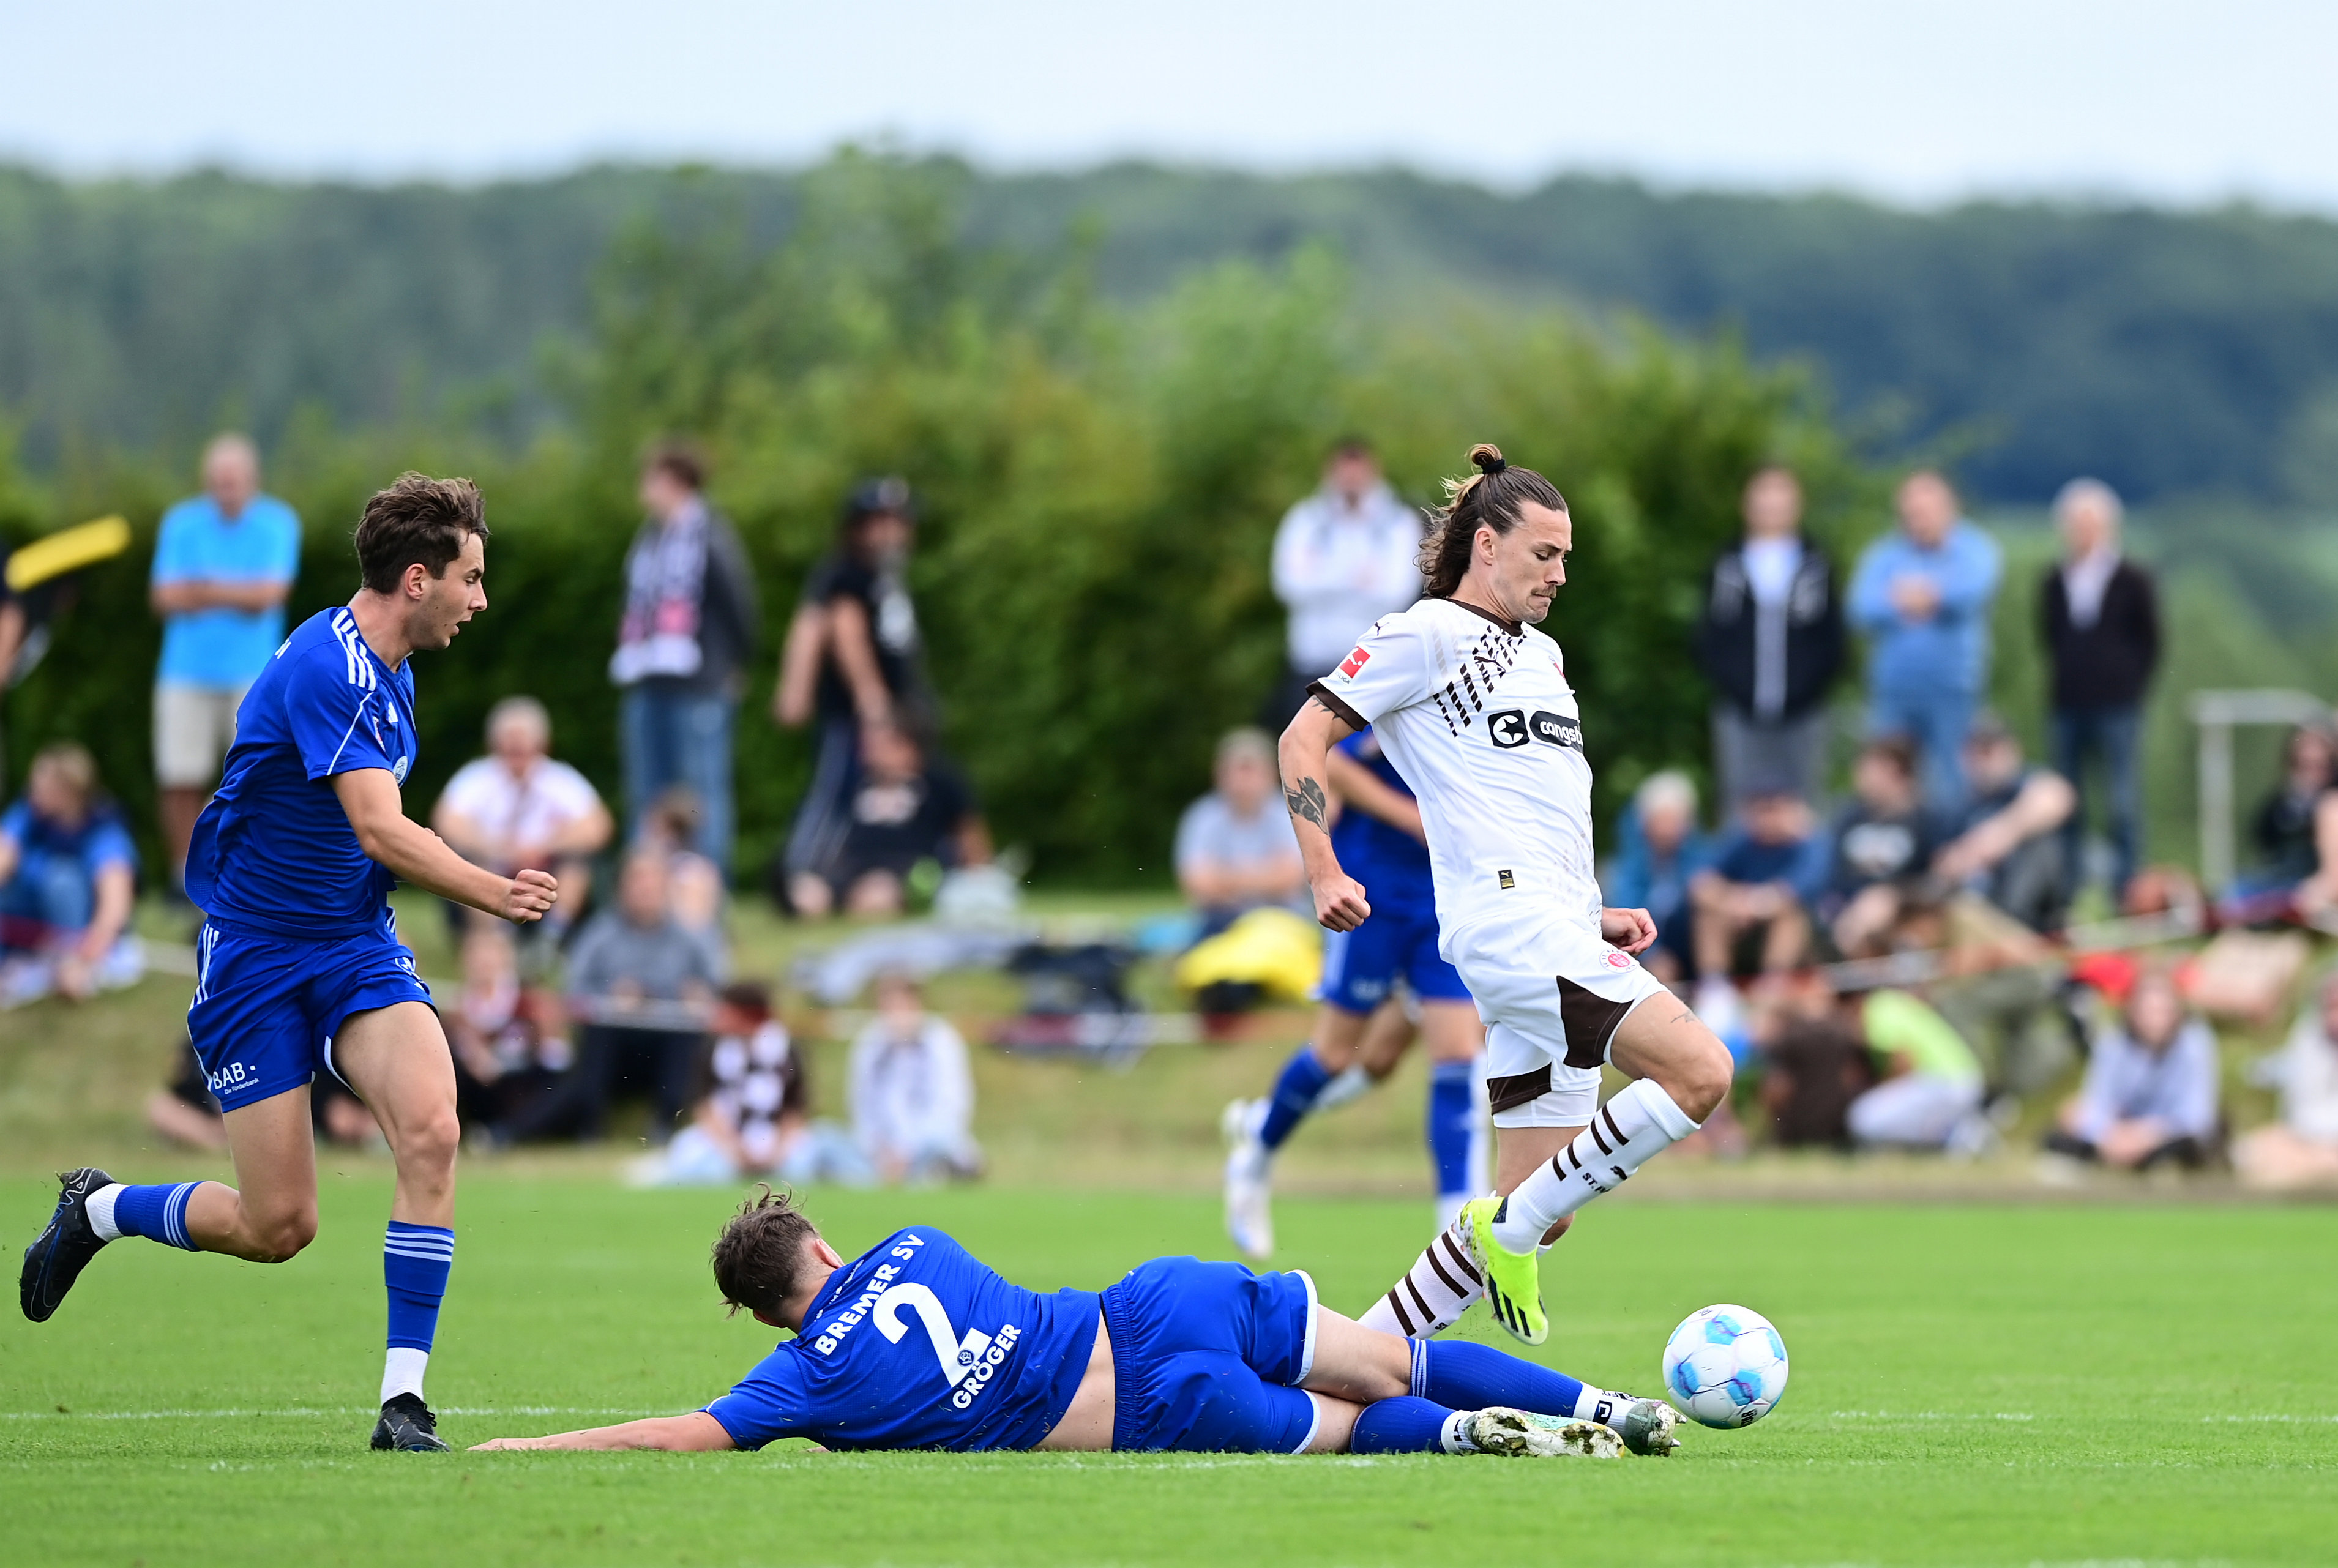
column 1355, row 661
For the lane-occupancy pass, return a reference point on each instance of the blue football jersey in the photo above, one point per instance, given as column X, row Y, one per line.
column 274, row 849
column 1391, row 864
column 915, row 1344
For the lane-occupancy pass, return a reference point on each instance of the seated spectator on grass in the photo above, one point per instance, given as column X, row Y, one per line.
column 750, row 1108
column 1659, row 851
column 1815, row 1062
column 696, row 889
column 2301, row 1150
column 517, row 809
column 68, row 875
column 1883, row 841
column 1753, row 891
column 1928, row 1094
column 2008, row 841
column 913, row 1091
column 509, row 1040
column 2150, row 1093
column 641, row 987
column 1235, row 847
column 909, row 807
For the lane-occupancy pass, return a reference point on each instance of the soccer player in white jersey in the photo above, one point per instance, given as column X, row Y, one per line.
column 1471, row 702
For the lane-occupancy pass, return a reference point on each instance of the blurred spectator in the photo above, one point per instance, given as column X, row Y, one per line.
column 1235, row 849
column 1921, row 595
column 907, row 809
column 695, row 890
column 749, row 1104
column 1815, row 1063
column 688, row 631
column 510, row 1042
column 2101, row 616
column 1929, row 1089
column 1659, row 851
column 912, row 1091
column 2285, row 831
column 516, row 809
column 2150, row 1093
column 1771, row 641
column 2301, row 1150
column 224, row 564
column 68, row 874
column 1343, row 557
column 1883, row 840
column 641, row 985
column 2009, row 845
column 853, row 660
column 1755, row 889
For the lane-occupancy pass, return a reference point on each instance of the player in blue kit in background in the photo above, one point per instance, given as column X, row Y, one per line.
column 915, row 1344
column 1364, row 1029
column 299, row 967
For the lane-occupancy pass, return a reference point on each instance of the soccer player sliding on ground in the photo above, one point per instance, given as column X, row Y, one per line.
column 1471, row 702
column 1361, row 1030
column 298, row 966
column 914, row 1344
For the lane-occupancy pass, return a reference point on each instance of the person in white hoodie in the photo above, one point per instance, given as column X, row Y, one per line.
column 2301, row 1150
column 1343, row 557
column 913, row 1091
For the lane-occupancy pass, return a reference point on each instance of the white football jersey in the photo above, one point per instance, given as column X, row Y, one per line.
column 1481, row 721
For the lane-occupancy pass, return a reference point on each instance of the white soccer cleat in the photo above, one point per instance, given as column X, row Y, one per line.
column 1249, row 1217
column 1514, row 1434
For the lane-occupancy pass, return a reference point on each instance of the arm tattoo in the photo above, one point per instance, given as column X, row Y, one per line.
column 1305, row 800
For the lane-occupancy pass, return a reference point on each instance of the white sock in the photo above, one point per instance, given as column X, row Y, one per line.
column 1624, row 1134
column 1351, row 1083
column 401, row 1372
column 1434, row 1292
column 1604, row 1405
column 1454, row 1436
column 99, row 1206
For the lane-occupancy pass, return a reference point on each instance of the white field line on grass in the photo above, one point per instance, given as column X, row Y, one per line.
column 300, row 1413
column 1931, row 1416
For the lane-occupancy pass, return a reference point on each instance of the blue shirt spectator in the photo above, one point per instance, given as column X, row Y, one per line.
column 1760, row 880
column 67, row 874
column 1922, row 596
column 223, row 646
column 1658, row 848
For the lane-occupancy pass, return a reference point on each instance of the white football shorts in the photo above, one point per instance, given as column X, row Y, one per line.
column 1551, row 993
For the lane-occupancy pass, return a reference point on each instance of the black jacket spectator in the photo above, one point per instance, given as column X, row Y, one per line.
column 2108, row 664
column 1728, row 643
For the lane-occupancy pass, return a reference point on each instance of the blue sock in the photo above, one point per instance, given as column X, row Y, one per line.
column 1467, row 1377
column 1400, row 1426
column 1452, row 1118
column 159, row 1213
column 415, row 1262
column 1295, row 1095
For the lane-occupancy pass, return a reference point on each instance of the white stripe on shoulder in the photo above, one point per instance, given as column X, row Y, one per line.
column 359, row 659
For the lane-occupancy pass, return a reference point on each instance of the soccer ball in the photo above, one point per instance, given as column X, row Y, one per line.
column 1725, row 1366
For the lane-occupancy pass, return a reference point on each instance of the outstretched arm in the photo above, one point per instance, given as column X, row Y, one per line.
column 417, row 854
column 696, row 1433
column 1340, row 903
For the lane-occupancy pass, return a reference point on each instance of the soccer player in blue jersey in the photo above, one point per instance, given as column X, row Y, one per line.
column 299, row 967
column 914, row 1344
column 1361, row 1030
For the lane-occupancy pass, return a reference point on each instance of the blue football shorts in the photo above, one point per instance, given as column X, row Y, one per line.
column 1361, row 966
column 266, row 1008
column 1207, row 1358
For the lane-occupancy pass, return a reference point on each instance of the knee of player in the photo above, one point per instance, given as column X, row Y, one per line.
column 429, row 1143
column 1706, row 1077
column 283, row 1237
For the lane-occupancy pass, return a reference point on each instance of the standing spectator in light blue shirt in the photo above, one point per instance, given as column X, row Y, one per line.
column 1922, row 596
column 223, row 565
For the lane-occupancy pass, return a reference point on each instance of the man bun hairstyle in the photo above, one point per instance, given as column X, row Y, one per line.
column 759, row 1259
column 1490, row 499
column 416, row 519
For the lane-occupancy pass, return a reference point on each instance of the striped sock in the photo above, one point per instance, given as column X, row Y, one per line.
column 1639, row 1122
column 159, row 1212
column 1434, row 1292
column 415, row 1262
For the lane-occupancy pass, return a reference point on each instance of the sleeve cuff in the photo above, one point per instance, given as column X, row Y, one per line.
column 1347, row 715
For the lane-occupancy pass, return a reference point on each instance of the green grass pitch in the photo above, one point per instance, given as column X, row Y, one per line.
column 2016, row 1384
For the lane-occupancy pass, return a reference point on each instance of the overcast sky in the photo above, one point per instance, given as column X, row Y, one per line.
column 2175, row 103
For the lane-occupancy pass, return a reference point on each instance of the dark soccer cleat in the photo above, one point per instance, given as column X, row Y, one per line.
column 408, row 1427
column 55, row 1259
column 1646, row 1428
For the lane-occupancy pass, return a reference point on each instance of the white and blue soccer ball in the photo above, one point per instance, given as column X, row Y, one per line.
column 1725, row 1366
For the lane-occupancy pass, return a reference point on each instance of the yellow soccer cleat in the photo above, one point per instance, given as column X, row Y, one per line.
column 1513, row 1280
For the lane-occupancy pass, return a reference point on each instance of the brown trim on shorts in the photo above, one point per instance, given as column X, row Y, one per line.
column 1590, row 1021
column 1347, row 715
column 1520, row 1089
